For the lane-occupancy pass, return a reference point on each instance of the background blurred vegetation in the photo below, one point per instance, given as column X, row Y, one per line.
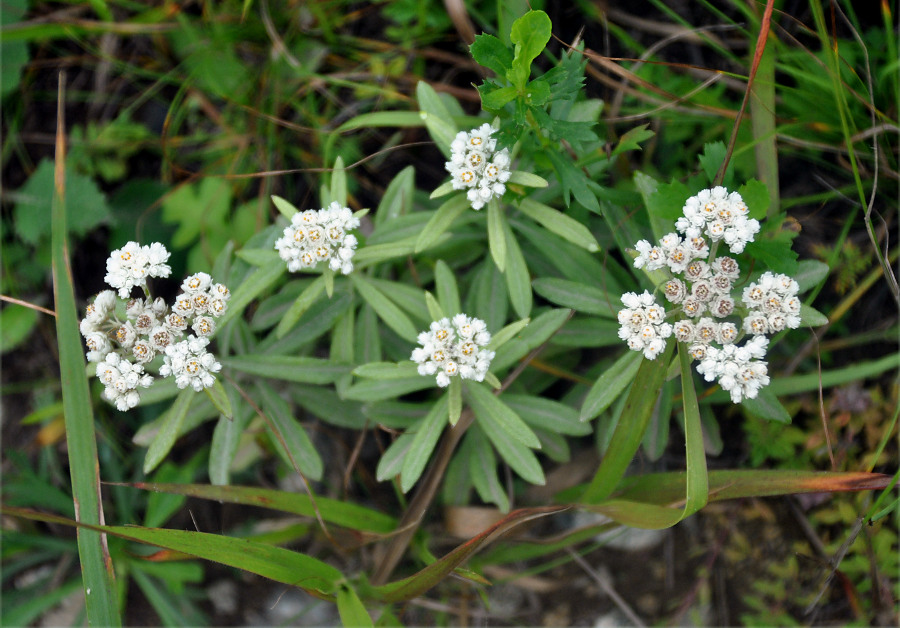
column 185, row 117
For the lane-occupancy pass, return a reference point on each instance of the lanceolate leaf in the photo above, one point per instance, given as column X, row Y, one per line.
column 289, row 368
column 489, row 409
column 426, row 437
column 610, row 384
column 170, row 430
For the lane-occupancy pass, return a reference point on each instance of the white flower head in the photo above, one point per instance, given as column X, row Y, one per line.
column 476, row 166
column 451, row 348
column 133, row 264
column 719, row 215
column 643, row 326
column 314, row 236
column 121, row 379
column 190, row 364
column 739, row 370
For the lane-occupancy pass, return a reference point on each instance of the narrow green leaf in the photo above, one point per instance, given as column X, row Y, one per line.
column 811, row 316
column 379, row 390
column 423, row 443
column 225, row 442
column 610, row 384
column 454, row 394
column 519, row 457
column 766, row 406
column 259, row 257
column 387, row 370
column 436, row 116
column 285, row 207
column 375, row 253
column 483, row 468
column 559, row 223
column 289, row 368
column 351, row 609
column 541, row 328
column 697, row 492
column 630, row 429
column 391, row 462
column 496, row 233
column 507, row 333
column 381, row 119
column 385, row 308
column 250, row 288
column 304, row 300
column 578, row 296
column 170, row 430
column 339, row 183
column 527, row 179
column 434, row 308
column 328, row 277
column 397, row 199
column 518, row 281
column 96, row 566
column 446, row 288
column 219, row 398
column 441, row 220
column 545, row 413
column 489, row 409
column 442, row 190
column 290, row 439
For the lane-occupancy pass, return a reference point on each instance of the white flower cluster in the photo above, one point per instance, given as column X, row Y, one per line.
column 719, row 215
column 702, row 289
column 318, row 235
column 477, row 166
column 643, row 325
column 122, row 346
column 456, row 348
column 131, row 265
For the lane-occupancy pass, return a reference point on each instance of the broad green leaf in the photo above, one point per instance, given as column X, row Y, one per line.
column 303, row 370
column 290, row 439
column 811, row 316
column 16, row 324
column 757, row 198
column 766, row 406
column 446, row 288
column 381, row 119
column 483, row 468
column 385, row 308
column 285, row 207
column 530, row 34
column 527, row 179
column 304, row 300
column 496, row 233
column 491, row 410
column 630, row 429
column 492, row 53
column 560, row 224
column 441, row 220
column 493, row 99
column 351, row 609
column 434, row 308
column 577, row 296
column 170, row 430
column 427, row 433
column 712, row 159
column 610, row 384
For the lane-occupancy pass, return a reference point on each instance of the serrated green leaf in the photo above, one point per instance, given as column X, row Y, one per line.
column 756, row 197
column 489, row 409
column 711, row 160
column 427, row 433
column 492, row 53
column 632, row 139
column 560, row 224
